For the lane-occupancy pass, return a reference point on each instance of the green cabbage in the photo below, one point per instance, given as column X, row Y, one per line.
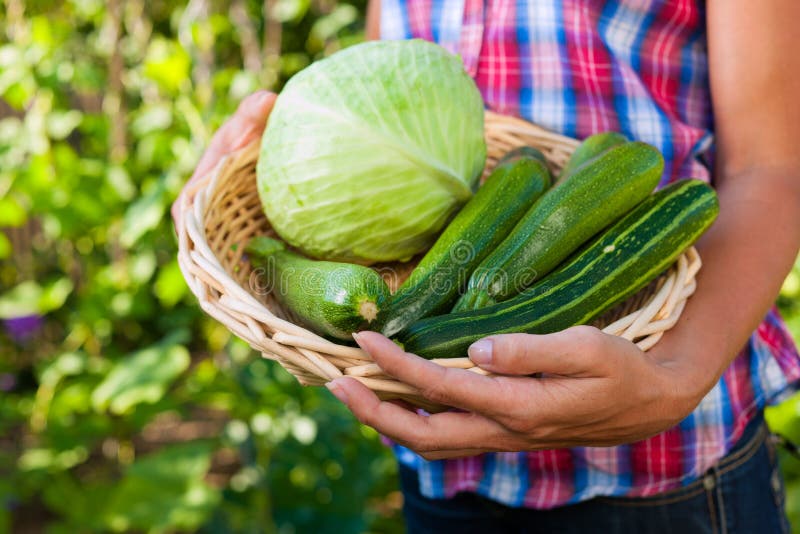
column 369, row 152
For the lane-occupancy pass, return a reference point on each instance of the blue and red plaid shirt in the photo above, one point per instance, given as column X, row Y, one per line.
column 579, row 67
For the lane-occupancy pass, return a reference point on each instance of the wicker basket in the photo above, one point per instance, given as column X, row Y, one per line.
column 222, row 211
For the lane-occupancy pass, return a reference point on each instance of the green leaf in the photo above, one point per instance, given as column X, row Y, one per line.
column 152, row 119
column 167, row 63
column 293, row 63
column 327, row 27
column 34, row 459
column 65, row 364
column 60, row 124
column 42, row 31
column 243, row 83
column 289, row 10
column 120, row 181
column 77, row 501
column 88, row 9
column 11, row 128
column 304, row 429
column 142, row 266
column 143, row 216
column 11, row 212
column 17, row 84
column 54, row 295
column 164, row 491
column 791, row 285
column 142, row 377
column 784, row 418
column 170, row 287
column 14, row 95
column 30, row 298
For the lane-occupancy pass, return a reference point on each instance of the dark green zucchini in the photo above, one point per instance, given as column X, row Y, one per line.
column 618, row 263
column 590, row 148
column 331, row 298
column 562, row 220
column 478, row 228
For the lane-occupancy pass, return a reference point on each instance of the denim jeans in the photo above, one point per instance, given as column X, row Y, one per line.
column 742, row 493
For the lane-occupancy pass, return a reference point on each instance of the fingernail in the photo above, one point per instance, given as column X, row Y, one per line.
column 337, row 391
column 480, row 352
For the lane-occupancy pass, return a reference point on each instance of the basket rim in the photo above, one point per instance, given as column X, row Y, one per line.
column 315, row 360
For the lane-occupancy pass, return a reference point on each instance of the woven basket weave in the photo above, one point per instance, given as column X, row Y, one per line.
column 222, row 211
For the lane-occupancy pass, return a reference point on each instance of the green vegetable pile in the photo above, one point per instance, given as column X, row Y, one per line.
column 369, row 153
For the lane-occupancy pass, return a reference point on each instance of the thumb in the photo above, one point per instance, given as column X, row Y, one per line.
column 576, row 351
column 247, row 123
column 250, row 118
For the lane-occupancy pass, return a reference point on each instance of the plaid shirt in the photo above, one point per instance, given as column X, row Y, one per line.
column 579, row 67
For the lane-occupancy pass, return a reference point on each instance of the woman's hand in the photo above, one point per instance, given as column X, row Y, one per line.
column 246, row 124
column 595, row 390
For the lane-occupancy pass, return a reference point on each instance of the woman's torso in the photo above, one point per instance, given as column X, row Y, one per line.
column 579, row 67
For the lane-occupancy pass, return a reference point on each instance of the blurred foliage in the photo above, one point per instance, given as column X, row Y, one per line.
column 123, row 407
column 784, row 419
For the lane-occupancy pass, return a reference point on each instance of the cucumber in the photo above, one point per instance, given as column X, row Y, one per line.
column 477, row 229
column 331, row 298
column 565, row 217
column 617, row 264
column 590, row 148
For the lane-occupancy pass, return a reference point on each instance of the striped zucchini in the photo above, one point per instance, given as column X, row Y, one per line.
column 491, row 213
column 564, row 218
column 620, row 262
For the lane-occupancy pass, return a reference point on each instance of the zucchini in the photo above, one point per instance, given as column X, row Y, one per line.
column 332, row 298
column 477, row 229
column 590, row 148
column 617, row 264
column 522, row 152
column 564, row 218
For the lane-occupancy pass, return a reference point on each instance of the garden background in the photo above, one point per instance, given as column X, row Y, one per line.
column 122, row 406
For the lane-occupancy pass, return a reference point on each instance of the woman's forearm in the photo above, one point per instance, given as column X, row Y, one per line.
column 746, row 255
column 751, row 247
